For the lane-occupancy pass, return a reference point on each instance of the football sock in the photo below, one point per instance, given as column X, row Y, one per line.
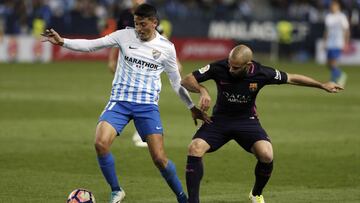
column 262, row 176
column 107, row 165
column 194, row 174
column 169, row 174
column 335, row 73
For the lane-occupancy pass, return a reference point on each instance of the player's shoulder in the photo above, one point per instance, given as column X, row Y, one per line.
column 343, row 16
column 213, row 67
column 126, row 31
column 217, row 67
column 260, row 69
column 165, row 40
column 124, row 35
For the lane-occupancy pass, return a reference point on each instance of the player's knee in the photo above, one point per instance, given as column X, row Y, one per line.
column 160, row 162
column 101, row 147
column 265, row 156
column 196, row 149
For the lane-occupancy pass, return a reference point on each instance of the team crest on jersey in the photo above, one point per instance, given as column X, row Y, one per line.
column 204, row 69
column 156, row 54
column 278, row 75
column 253, row 87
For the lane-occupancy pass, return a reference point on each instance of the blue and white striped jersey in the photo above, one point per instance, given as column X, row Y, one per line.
column 336, row 25
column 137, row 78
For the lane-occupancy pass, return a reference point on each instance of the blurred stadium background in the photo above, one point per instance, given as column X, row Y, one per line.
column 50, row 99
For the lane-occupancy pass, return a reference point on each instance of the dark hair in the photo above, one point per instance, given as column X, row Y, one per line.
column 146, row 11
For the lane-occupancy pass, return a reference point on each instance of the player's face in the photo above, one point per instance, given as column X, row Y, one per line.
column 238, row 69
column 334, row 7
column 145, row 27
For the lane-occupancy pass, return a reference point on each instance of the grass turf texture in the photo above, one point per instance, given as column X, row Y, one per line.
column 48, row 114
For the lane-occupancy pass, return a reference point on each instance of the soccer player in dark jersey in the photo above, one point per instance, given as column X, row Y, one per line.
column 238, row 80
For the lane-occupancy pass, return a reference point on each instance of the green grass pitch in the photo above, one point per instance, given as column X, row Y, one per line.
column 48, row 114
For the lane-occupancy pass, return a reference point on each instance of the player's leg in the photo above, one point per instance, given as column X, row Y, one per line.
column 194, row 168
column 253, row 138
column 208, row 138
column 166, row 166
column 137, row 140
column 263, row 151
column 147, row 122
column 337, row 75
column 335, row 71
column 105, row 135
column 111, row 121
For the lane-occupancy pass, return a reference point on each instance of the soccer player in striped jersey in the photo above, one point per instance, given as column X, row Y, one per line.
column 135, row 93
column 239, row 80
column 126, row 21
column 337, row 37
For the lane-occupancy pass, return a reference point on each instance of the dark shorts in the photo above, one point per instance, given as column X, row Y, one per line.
column 245, row 131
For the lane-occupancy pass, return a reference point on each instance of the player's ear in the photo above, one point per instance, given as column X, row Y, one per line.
column 156, row 22
column 249, row 63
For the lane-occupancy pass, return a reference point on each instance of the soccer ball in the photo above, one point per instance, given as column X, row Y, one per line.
column 81, row 196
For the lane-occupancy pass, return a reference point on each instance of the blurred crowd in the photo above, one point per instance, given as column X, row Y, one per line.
column 94, row 17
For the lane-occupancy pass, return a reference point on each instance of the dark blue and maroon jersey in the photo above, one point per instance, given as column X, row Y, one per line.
column 236, row 96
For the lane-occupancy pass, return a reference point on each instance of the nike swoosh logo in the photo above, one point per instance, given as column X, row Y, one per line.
column 130, row 47
column 158, row 128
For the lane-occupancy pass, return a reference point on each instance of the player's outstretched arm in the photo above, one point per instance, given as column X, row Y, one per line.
column 296, row 79
column 53, row 37
column 83, row 45
column 191, row 84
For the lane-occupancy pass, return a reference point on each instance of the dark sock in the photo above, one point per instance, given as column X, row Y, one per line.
column 262, row 176
column 194, row 173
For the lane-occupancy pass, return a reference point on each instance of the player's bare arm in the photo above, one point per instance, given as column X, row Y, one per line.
column 296, row 79
column 53, row 37
column 190, row 83
column 184, row 95
column 112, row 60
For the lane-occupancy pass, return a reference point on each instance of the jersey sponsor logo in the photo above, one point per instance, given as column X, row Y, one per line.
column 156, row 54
column 142, row 64
column 278, row 75
column 237, row 98
column 204, row 69
column 253, row 87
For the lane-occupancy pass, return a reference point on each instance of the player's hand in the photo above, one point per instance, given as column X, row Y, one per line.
column 205, row 101
column 332, row 87
column 198, row 114
column 53, row 37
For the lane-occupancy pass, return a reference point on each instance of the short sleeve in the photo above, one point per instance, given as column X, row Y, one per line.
column 205, row 73
column 274, row 76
